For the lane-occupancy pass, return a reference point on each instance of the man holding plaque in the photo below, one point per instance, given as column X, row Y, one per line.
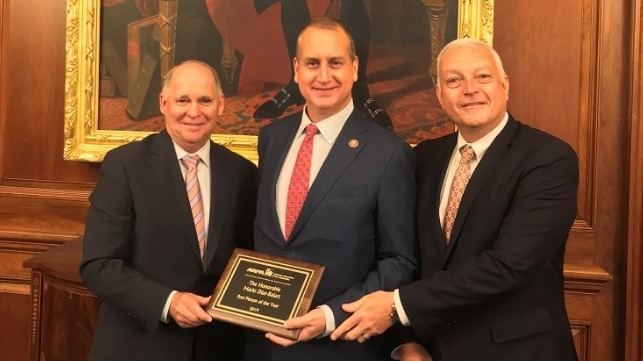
column 496, row 201
column 337, row 190
column 163, row 221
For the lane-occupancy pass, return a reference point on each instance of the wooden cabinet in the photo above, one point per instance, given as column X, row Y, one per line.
column 63, row 312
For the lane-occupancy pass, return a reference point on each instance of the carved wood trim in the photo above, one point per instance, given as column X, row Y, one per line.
column 582, row 240
column 34, row 345
column 33, row 236
column 28, row 247
column 581, row 332
column 588, row 117
column 47, row 193
column 634, row 292
column 66, row 286
column 39, row 216
column 585, row 279
column 14, row 287
column 4, row 52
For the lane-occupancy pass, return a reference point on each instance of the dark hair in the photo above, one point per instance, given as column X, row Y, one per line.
column 327, row 23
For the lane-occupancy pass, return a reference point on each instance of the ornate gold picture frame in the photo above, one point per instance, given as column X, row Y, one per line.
column 84, row 141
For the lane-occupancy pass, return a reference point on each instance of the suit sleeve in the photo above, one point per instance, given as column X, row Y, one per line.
column 394, row 233
column 531, row 236
column 108, row 243
column 248, row 205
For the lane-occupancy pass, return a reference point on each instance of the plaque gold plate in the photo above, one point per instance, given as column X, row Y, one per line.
column 262, row 291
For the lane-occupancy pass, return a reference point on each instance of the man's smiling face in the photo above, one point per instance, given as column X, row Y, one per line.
column 472, row 89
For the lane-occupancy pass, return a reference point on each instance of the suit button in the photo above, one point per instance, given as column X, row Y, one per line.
column 286, row 251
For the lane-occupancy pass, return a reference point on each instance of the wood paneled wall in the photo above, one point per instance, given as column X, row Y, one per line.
column 32, row 99
column 570, row 63
column 43, row 199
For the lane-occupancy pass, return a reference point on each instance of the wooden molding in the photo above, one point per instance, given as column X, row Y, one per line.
column 14, row 288
column 585, row 279
column 34, row 346
column 40, row 215
column 46, row 193
column 581, row 332
column 634, row 292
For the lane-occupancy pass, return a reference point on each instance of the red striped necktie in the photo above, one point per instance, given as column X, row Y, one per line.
column 300, row 179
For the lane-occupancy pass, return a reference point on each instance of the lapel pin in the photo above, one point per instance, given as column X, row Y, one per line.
column 353, row 143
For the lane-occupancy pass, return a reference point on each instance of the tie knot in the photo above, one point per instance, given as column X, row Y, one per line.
column 468, row 154
column 191, row 161
column 311, row 130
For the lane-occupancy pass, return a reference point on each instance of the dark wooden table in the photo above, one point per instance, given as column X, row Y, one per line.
column 64, row 313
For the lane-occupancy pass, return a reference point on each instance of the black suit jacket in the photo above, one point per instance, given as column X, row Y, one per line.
column 496, row 291
column 357, row 221
column 140, row 244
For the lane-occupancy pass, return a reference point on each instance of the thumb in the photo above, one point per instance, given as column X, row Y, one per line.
column 203, row 301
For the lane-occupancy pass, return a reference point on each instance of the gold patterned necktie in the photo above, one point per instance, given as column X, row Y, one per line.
column 191, row 162
column 458, row 185
column 299, row 181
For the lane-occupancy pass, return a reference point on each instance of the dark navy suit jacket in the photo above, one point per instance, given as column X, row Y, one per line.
column 357, row 221
column 140, row 244
column 496, row 291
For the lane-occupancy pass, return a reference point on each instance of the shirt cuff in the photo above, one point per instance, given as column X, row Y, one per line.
column 166, row 309
column 395, row 355
column 330, row 321
column 404, row 319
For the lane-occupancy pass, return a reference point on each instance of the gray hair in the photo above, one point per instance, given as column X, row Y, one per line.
column 469, row 42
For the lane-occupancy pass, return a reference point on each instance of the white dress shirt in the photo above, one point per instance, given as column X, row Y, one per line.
column 323, row 141
column 203, row 173
column 329, row 129
column 480, row 148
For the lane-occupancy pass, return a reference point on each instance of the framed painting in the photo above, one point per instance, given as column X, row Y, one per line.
column 117, row 52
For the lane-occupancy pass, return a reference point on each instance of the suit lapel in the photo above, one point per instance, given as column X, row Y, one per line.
column 340, row 157
column 439, row 185
column 165, row 165
column 430, row 177
column 487, row 167
column 220, row 201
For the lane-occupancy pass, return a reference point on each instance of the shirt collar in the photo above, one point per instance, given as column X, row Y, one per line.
column 203, row 153
column 481, row 145
column 330, row 127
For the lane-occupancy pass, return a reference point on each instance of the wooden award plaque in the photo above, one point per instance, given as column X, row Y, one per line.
column 262, row 291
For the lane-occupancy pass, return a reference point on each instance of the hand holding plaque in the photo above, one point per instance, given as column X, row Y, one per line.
column 262, row 291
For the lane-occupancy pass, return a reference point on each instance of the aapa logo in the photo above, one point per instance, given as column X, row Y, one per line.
column 268, row 272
